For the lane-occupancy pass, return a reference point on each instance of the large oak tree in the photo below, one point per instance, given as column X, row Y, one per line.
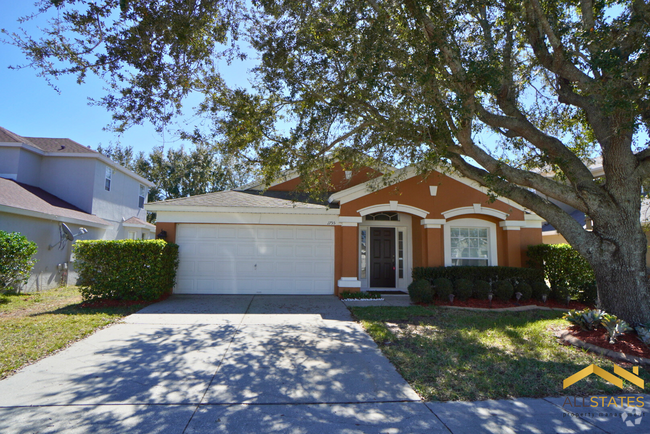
column 505, row 92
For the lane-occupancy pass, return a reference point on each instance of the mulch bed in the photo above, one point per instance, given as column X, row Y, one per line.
column 627, row 344
column 485, row 304
column 98, row 304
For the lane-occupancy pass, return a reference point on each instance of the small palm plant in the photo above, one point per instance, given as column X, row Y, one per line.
column 615, row 327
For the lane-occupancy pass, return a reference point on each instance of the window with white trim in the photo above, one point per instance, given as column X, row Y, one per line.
column 108, row 179
column 141, row 196
column 469, row 246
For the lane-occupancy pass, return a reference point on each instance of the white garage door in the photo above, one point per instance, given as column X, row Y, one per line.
column 255, row 259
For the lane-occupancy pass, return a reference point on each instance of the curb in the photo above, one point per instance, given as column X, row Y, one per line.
column 565, row 336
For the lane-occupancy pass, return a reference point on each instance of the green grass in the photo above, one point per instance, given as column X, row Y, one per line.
column 449, row 354
column 35, row 325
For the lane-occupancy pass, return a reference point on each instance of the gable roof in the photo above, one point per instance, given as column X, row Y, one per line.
column 230, row 201
column 60, row 146
column 19, row 198
column 134, row 222
column 400, row 175
column 230, row 198
column 53, row 147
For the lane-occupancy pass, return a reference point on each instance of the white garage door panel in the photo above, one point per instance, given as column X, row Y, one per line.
column 260, row 259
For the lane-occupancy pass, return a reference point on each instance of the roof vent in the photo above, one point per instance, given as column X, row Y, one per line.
column 62, row 148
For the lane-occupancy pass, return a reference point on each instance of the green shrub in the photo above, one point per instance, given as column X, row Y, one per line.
column 16, row 260
column 474, row 273
column 481, row 289
column 442, row 288
column 560, row 293
column 564, row 268
column 588, row 319
column 539, row 290
column 503, row 290
column 588, row 294
column 525, row 289
column 463, row 289
column 125, row 269
column 421, row 291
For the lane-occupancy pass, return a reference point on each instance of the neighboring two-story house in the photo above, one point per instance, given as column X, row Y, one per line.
column 48, row 181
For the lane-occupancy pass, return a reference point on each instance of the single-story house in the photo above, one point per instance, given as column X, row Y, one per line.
column 368, row 234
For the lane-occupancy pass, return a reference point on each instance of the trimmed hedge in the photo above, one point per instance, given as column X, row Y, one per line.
column 421, row 291
column 565, row 269
column 442, row 287
column 125, row 269
column 489, row 274
column 482, row 289
column 16, row 260
column 463, row 289
column 503, row 290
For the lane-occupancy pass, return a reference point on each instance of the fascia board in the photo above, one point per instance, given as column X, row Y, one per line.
column 246, row 218
column 242, row 210
column 45, row 216
column 136, row 225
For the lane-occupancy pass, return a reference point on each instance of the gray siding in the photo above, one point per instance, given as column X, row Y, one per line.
column 9, row 162
column 70, row 179
column 45, row 274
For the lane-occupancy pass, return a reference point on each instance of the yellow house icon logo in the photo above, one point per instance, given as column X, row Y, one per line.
column 616, row 381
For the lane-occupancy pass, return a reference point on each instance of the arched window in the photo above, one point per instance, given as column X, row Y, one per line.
column 383, row 216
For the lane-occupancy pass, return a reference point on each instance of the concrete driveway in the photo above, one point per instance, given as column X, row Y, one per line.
column 199, row 364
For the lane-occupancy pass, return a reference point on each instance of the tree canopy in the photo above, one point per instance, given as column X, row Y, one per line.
column 505, row 92
column 176, row 173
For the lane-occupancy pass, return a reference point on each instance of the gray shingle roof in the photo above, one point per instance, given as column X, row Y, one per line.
column 47, row 144
column 236, row 199
column 64, row 146
column 27, row 197
column 136, row 221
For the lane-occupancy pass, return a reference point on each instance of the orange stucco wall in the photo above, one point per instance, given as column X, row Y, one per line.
column 428, row 245
column 170, row 228
column 338, row 181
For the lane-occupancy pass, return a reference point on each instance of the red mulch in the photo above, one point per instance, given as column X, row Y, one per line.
column 485, row 304
column 98, row 304
column 629, row 343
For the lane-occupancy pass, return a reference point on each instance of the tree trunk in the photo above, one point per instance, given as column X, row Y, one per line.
column 620, row 270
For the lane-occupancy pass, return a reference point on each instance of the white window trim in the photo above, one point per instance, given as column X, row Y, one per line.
column 404, row 225
column 472, row 223
column 108, row 176
column 144, row 198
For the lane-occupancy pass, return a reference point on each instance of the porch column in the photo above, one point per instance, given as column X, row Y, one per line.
column 349, row 255
column 513, row 243
column 434, row 242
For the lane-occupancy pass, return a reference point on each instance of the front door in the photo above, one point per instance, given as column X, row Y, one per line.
column 382, row 257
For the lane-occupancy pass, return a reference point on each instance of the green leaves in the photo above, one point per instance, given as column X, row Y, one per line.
column 16, row 260
column 125, row 269
column 564, row 268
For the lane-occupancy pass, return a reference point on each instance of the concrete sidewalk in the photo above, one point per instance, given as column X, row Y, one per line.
column 252, row 364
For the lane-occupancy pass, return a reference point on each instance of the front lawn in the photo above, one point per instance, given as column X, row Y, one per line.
column 449, row 354
column 36, row 324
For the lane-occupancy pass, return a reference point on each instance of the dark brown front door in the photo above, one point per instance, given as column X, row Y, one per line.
column 382, row 257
